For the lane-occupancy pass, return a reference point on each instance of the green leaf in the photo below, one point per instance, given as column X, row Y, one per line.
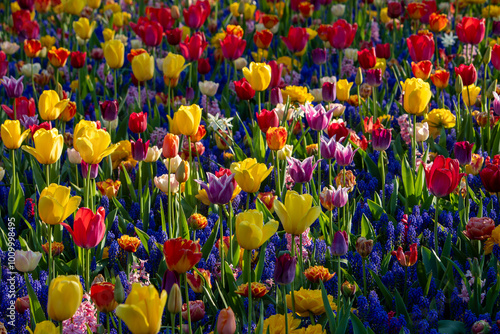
column 16, row 199
column 451, row 327
column 35, row 307
column 209, row 244
column 328, row 308
column 144, row 238
column 401, row 309
column 387, row 295
column 367, row 230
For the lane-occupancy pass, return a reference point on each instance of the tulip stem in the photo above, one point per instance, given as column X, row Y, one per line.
column 13, row 178
column 107, row 323
column 405, row 282
column 61, row 327
column 414, row 143
column 283, row 287
column 339, row 284
column 172, row 320
column 186, row 290
column 249, row 261
column 47, row 174
column 364, row 275
column 170, row 224
column 436, row 222
column 115, row 84
column 221, row 246
column 319, row 162
column 292, row 285
column 258, row 101
column 50, row 256
column 278, row 176
column 382, row 164
column 87, row 269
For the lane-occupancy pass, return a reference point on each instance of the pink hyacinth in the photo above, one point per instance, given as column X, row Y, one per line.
column 85, row 315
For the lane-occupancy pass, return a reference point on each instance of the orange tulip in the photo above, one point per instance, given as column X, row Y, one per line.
column 128, row 243
column 416, row 10
column 440, row 79
column 276, row 138
column 181, row 255
column 422, row 69
column 58, row 57
column 437, row 22
column 226, row 322
column 199, row 135
column 69, row 112
column 170, row 146
column 32, row 48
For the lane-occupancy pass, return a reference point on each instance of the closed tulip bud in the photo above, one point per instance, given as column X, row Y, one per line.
column 258, row 75
column 487, row 55
column 339, row 246
column 114, row 52
column 226, row 322
column 2, row 173
column 364, row 247
column 119, row 293
column 170, row 146
column 174, row 12
column 138, row 122
column 359, row 77
column 143, row 67
column 459, row 84
column 12, row 136
column 329, row 92
column 174, row 303
column 348, row 289
column 284, row 271
column 492, row 89
column 22, row 304
column 26, row 261
column 463, row 152
column 182, row 173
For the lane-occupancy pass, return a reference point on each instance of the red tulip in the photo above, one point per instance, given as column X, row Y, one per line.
column 204, row 66
column 337, row 129
column 383, row 50
column 341, row 34
column 490, row 175
column 150, row 32
column 23, row 107
column 468, row 74
column 367, row 58
column 421, row 46
column 232, row 47
column 103, row 296
column 4, row 64
column 276, row 70
column 78, row 59
column 495, row 56
column 174, row 36
column 267, row 119
column 263, row 38
column 193, row 46
column 395, row 9
column 181, row 255
column 442, row 176
column 243, row 89
column 296, row 40
column 422, row 69
column 161, row 15
column 138, row 122
column 88, row 228
column 479, row 228
column 44, row 125
column 470, row 30
column 430, row 8
column 196, row 15
column 406, row 259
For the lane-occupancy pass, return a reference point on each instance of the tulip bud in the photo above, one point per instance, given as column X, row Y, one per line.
column 475, row 268
column 276, row 96
column 174, row 304
column 60, row 91
column 2, row 173
column 359, row 77
column 459, row 84
column 487, row 55
column 284, row 271
column 182, row 173
column 119, row 291
column 481, row 327
column 348, row 289
column 226, row 322
column 364, row 247
column 329, row 91
column 22, row 304
column 174, row 12
column 340, row 245
column 491, row 89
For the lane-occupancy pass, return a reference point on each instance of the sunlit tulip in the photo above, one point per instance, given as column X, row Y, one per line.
column 58, row 57
column 173, row 65
column 249, row 174
column 45, row 327
column 48, row 146
column 143, row 67
column 226, row 321
column 181, row 254
column 297, row 214
column 187, row 119
column 26, row 261
column 93, row 144
column 56, row 204
column 88, row 228
column 83, row 28
column 417, row 95
column 103, row 296
column 114, row 52
column 65, row 297
column 251, row 232
column 258, row 75
column 109, row 187
column 12, row 136
column 50, row 106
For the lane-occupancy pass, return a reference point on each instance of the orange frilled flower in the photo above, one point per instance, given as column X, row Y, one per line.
column 276, row 138
column 369, row 126
column 270, row 21
column 437, row 22
column 318, row 273
column 268, row 199
column 263, row 38
column 57, row 248
column 440, row 78
column 32, row 48
column 135, row 52
column 128, row 243
column 109, row 187
column 416, row 10
column 259, row 290
column 422, row 69
column 181, row 255
column 199, row 134
column 323, row 32
column 58, row 57
column 235, row 30
column 69, row 112
column 197, row 221
column 197, row 281
column 346, row 179
column 42, row 6
column 306, row 9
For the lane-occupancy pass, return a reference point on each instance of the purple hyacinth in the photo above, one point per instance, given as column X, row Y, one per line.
column 219, row 189
column 13, row 87
column 317, row 117
column 344, row 154
column 301, row 171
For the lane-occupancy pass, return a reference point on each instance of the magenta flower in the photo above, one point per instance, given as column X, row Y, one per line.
column 301, row 171
column 13, row 87
column 339, row 246
column 381, row 139
column 328, row 147
column 344, row 154
column 317, row 117
column 139, row 149
column 219, row 189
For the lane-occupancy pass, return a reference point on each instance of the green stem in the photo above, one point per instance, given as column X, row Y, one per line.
column 249, row 261
column 382, row 164
column 339, row 284
column 374, row 96
column 414, row 143
column 50, row 256
column 14, row 175
column 319, row 162
column 436, row 222
column 405, row 282
column 186, row 290
column 172, row 320
column 47, row 174
column 115, row 82
column 258, row 101
column 221, row 251
column 364, row 276
column 107, row 323
column 60, row 327
column 283, row 287
column 292, row 285
column 87, row 269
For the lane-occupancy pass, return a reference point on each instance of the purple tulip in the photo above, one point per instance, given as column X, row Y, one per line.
column 328, row 147
column 94, row 170
column 344, row 154
column 339, row 245
column 219, row 189
column 13, row 87
column 319, row 56
column 496, row 104
column 169, row 279
column 284, row 271
column 27, row 121
column 189, row 94
column 301, row 171
column 317, row 117
column 329, row 92
column 276, row 96
column 496, row 28
column 463, row 152
column 331, row 197
column 109, row 110
column 381, row 139
column 139, row 149
column 373, row 77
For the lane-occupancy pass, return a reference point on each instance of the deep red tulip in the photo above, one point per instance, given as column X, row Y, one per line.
column 267, row 119
column 495, row 57
column 341, row 34
column 103, row 296
column 479, row 228
column 468, row 74
column 150, row 32
column 471, row 30
column 26, row 4
column 44, row 125
column 109, row 110
column 232, row 47
column 421, row 46
column 138, row 122
column 490, row 175
column 162, row 16
column 430, row 7
column 381, row 139
column 296, row 40
column 181, row 255
column 383, row 51
column 337, row 129
column 78, row 59
column 367, row 58
column 139, row 149
column 204, row 66
column 174, row 36
column 276, row 70
column 406, row 259
column 89, row 227
column 193, row 46
column 442, row 176
column 4, row 64
column 243, row 89
column 23, row 107
column 263, row 38
column 395, row 9
column 196, row 15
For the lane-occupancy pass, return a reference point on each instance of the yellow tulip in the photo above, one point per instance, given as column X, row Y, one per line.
column 417, row 95
column 74, row 7
column 114, row 52
column 78, row 131
column 93, row 144
column 48, row 41
column 83, row 28
column 259, row 75
column 50, row 105
column 11, row 134
column 384, row 17
column 55, row 204
column 469, row 94
column 248, row 10
column 186, row 120
column 344, row 90
column 108, row 34
column 382, row 64
column 438, row 119
column 173, row 65
column 249, row 174
column 297, row 214
column 94, row 4
column 309, row 301
column 275, row 324
column 143, row 309
column 45, row 327
column 143, row 67
column 48, row 146
column 297, row 94
column 65, row 297
column 251, row 232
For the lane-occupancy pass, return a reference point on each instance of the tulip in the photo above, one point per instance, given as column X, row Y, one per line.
column 2, row 173
column 139, row 149
column 442, row 176
column 138, row 122
column 329, row 91
column 318, row 273
column 83, row 28
column 259, row 75
column 374, row 77
column 367, row 58
column 337, row 129
column 276, row 138
column 243, row 89
column 344, row 154
column 296, row 40
column 197, row 281
column 150, row 32
column 301, row 172
column 46, row 327
column 463, row 152
column 173, row 65
column 479, row 228
column 58, row 57
column 343, row 90
column 128, row 243
column 87, row 168
column 332, row 198
column 422, row 132
column 340, row 244
column 470, row 30
column 103, row 296
column 196, row 14
column 208, row 88
column 395, row 9
column 65, row 297
column 4, row 64
column 93, row 144
column 32, row 48
column 22, row 304
column 232, row 47
column 422, row 69
column 170, row 278
column 193, row 46
column 470, row 94
column 50, row 106
column 170, row 146
column 174, row 302
column 297, row 214
column 364, row 247
column 143, row 309
column 12, row 136
column 55, row 204
column 421, row 46
column 317, row 117
column 328, row 148
column 143, row 67
column 417, row 95
column 108, row 188
column 226, row 321
column 468, row 74
column 249, row 174
column 153, row 154
column 383, row 50
column 437, row 22
column 88, row 228
column 490, row 176
column 204, row 66
column 109, row 110
column 186, row 120
column 251, row 232
column 114, row 52
column 276, row 72
column 263, row 39
column 308, row 301
column 13, row 87
column 341, row 34
column 78, row 59
column 284, row 270
column 26, row 261
column 276, row 96
column 162, row 183
column 440, row 78
column 495, row 56
column 219, row 189
column 381, row 139
column 267, row 119
column 406, row 259
column 181, row 255
column 48, row 146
